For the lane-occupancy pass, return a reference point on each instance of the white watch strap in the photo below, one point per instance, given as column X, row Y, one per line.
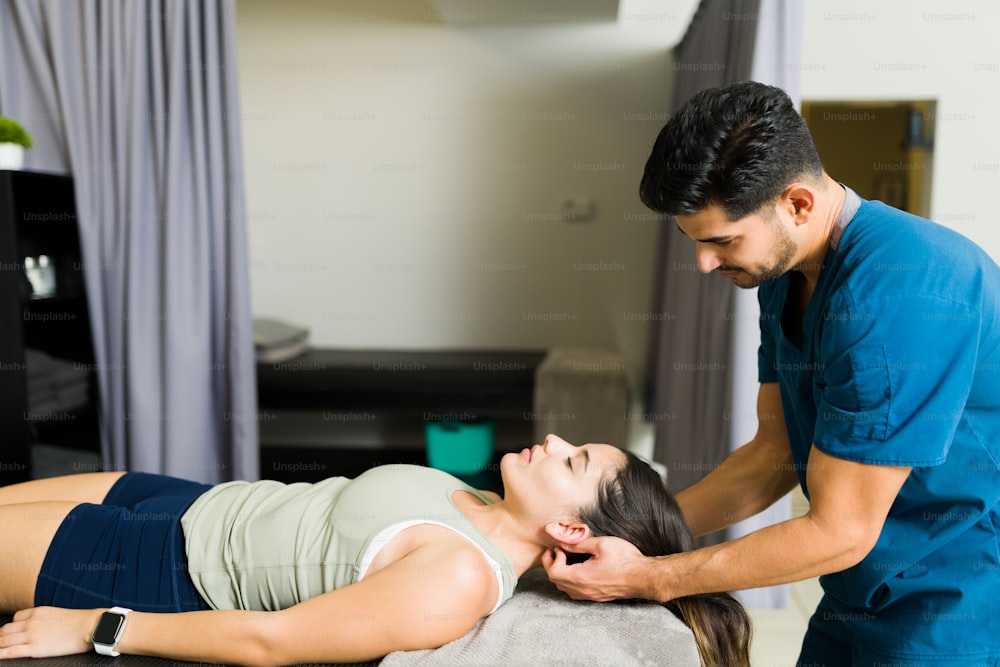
column 109, row 649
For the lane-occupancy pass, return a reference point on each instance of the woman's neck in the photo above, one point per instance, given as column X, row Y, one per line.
column 522, row 547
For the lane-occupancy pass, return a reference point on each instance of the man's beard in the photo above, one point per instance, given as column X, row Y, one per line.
column 780, row 261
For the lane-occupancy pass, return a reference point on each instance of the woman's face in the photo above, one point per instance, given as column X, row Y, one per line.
column 554, row 480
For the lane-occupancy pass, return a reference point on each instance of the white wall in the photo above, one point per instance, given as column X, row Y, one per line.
column 922, row 49
column 405, row 175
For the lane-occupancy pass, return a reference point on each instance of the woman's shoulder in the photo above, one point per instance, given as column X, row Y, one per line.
column 430, row 538
column 439, row 592
column 444, row 560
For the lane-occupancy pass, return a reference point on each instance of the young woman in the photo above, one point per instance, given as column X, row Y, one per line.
column 400, row 558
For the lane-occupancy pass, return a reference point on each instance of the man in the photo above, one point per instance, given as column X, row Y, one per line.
column 879, row 370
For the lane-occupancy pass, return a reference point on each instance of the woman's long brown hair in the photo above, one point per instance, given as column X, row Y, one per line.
column 635, row 505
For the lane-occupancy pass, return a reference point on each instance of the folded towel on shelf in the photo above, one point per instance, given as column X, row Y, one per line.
column 42, row 407
column 54, row 385
column 44, row 370
column 276, row 340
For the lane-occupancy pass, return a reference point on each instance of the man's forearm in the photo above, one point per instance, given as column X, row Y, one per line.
column 789, row 551
column 850, row 503
column 748, row 481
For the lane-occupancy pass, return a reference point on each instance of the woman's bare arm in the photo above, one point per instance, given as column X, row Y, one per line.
column 433, row 595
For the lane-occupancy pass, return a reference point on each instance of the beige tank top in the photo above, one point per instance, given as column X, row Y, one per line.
column 268, row 545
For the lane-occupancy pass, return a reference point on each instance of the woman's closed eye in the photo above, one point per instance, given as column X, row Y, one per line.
column 586, row 461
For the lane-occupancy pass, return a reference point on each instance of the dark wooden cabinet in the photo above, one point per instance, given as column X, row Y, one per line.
column 339, row 412
column 48, row 387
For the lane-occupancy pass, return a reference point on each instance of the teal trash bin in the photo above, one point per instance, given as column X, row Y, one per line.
column 460, row 447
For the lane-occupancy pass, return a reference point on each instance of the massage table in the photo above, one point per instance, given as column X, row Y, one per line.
column 538, row 626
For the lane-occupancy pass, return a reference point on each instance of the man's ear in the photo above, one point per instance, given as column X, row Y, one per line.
column 800, row 198
column 567, row 531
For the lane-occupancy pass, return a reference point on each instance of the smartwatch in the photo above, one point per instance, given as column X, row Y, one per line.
column 109, row 631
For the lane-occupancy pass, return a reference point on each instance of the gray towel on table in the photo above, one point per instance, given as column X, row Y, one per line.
column 540, row 625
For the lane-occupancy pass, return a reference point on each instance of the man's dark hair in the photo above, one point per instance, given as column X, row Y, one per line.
column 737, row 147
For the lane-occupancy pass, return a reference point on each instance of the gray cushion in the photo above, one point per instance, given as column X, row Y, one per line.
column 540, row 625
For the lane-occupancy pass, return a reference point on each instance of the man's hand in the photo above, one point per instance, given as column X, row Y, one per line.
column 615, row 570
column 43, row 632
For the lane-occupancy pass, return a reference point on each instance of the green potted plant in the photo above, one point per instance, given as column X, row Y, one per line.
column 14, row 139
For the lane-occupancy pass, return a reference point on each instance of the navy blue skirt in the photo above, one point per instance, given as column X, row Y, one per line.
column 127, row 551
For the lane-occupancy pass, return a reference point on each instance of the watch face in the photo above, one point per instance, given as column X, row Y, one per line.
column 108, row 628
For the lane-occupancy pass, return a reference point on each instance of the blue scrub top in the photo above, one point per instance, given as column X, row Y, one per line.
column 898, row 363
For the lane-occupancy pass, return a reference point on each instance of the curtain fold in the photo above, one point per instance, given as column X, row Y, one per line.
column 692, row 345
column 777, row 61
column 137, row 99
column 704, row 356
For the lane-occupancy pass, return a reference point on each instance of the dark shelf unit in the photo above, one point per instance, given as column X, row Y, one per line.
column 38, row 217
column 339, row 412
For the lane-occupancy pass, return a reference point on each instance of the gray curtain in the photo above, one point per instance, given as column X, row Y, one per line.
column 777, row 61
column 691, row 355
column 137, row 99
